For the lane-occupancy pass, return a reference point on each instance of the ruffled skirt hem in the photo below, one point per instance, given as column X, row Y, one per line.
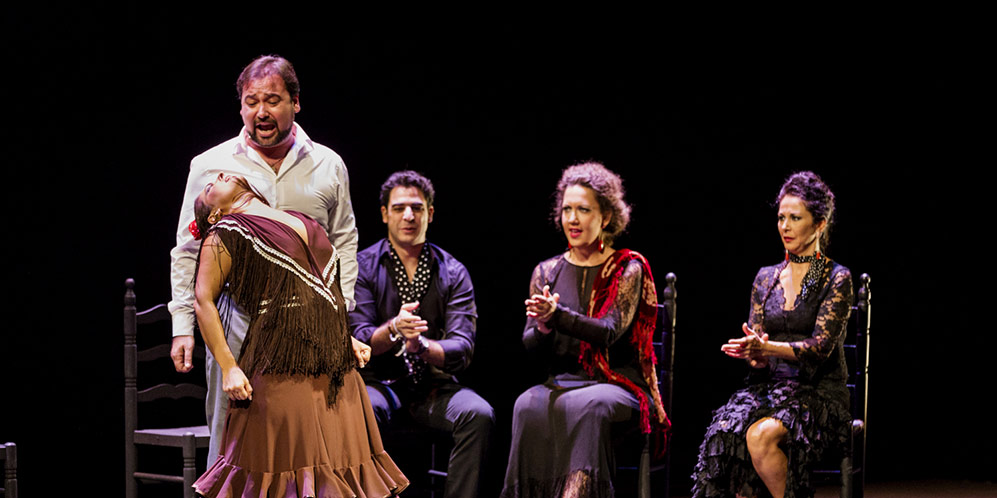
column 814, row 424
column 376, row 478
column 580, row 484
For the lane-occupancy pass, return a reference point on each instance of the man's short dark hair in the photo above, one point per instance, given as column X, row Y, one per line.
column 268, row 65
column 407, row 178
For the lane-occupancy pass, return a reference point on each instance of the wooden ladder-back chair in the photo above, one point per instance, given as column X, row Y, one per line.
column 664, row 349
column 851, row 467
column 186, row 438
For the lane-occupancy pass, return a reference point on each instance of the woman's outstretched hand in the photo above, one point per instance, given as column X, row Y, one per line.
column 751, row 347
column 236, row 385
column 362, row 352
column 541, row 307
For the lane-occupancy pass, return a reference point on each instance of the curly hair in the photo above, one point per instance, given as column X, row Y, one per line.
column 407, row 178
column 817, row 198
column 268, row 65
column 608, row 188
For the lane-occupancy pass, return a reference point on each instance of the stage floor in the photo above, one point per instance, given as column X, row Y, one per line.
column 921, row 489
column 916, row 489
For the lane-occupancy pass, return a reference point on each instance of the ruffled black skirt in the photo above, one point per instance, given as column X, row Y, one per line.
column 815, row 423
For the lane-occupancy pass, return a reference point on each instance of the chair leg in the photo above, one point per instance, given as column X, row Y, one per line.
column 846, row 477
column 666, row 491
column 432, row 470
column 436, row 476
column 131, row 485
column 189, row 468
column 10, row 470
column 858, row 483
column 644, row 472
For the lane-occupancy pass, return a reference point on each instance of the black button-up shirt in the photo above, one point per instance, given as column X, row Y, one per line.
column 448, row 307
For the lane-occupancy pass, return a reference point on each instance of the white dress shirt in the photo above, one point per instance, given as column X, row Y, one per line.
column 312, row 179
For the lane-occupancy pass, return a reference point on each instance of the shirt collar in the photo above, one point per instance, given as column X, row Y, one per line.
column 382, row 252
column 302, row 143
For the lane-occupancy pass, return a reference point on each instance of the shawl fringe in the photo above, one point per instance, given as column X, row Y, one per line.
column 296, row 327
column 593, row 358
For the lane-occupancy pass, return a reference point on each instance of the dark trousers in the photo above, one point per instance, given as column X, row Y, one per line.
column 445, row 407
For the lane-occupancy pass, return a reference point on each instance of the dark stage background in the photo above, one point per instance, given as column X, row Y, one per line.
column 109, row 107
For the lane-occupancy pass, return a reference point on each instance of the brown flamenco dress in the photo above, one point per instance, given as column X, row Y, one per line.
column 309, row 429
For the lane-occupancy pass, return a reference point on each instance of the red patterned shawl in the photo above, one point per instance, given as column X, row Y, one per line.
column 594, row 359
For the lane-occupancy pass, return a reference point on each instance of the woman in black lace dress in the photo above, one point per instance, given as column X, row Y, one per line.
column 796, row 403
column 590, row 316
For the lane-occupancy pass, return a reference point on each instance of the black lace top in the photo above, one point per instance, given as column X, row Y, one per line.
column 570, row 323
column 814, row 327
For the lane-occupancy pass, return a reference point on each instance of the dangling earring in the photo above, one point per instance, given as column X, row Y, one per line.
column 787, row 255
column 817, row 252
column 602, row 246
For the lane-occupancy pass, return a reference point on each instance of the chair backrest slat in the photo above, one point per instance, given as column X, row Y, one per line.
column 171, row 391
column 158, row 314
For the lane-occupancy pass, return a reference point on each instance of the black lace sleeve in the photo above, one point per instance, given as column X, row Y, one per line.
column 830, row 327
column 603, row 332
column 759, row 289
column 542, row 274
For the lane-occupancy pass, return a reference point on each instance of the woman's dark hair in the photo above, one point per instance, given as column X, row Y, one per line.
column 816, row 196
column 202, row 211
column 407, row 178
column 608, row 188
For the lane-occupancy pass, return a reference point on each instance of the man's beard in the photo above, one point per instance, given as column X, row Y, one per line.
column 277, row 139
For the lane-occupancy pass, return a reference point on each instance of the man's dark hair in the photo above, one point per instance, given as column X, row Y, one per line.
column 407, row 178
column 268, row 65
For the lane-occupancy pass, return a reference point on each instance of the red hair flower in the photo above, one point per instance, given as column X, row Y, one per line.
column 192, row 228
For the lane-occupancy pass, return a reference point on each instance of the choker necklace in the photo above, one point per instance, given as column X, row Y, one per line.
column 814, row 273
column 803, row 259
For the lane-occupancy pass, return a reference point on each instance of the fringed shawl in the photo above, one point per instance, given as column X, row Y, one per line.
column 290, row 292
column 594, row 359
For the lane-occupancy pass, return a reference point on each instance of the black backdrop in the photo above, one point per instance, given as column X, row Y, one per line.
column 106, row 108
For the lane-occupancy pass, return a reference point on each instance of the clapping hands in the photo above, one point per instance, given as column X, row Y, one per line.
column 541, row 307
column 751, row 347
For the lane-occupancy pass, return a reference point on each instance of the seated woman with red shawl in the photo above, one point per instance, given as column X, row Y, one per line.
column 589, row 320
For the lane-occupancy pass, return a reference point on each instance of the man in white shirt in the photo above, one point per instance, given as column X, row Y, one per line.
column 276, row 156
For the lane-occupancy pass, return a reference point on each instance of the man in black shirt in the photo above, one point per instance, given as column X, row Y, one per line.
column 415, row 308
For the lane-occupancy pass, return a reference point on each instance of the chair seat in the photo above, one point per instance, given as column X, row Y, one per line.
column 173, row 436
